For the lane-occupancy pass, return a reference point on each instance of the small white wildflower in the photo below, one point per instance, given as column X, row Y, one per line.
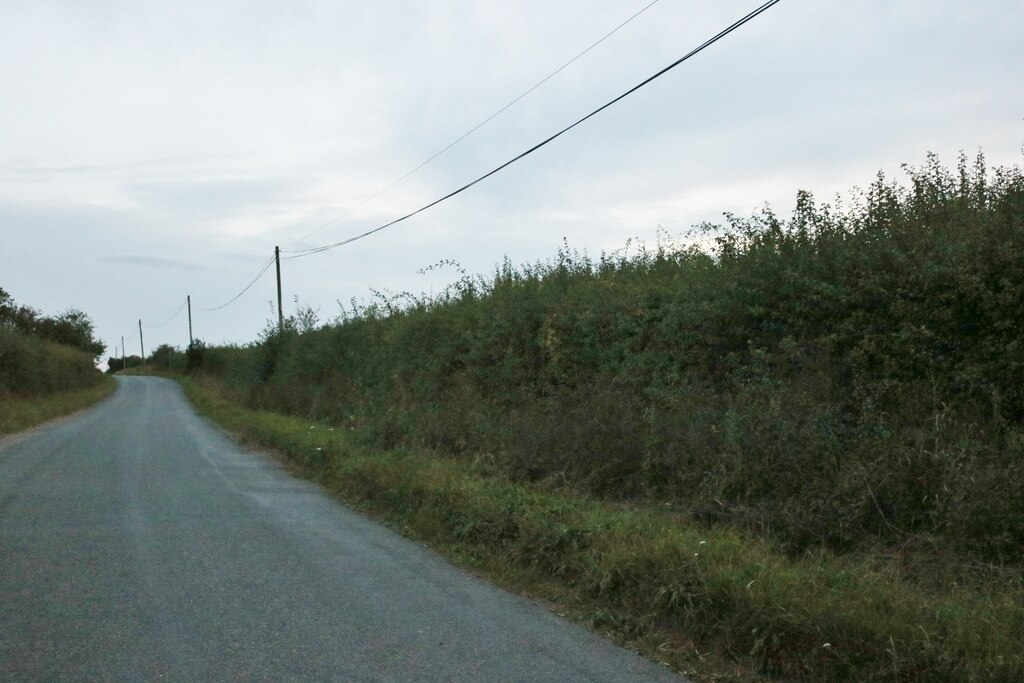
column 702, row 543
column 827, row 645
column 319, row 448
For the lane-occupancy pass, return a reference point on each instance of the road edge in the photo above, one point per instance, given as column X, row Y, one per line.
column 67, row 406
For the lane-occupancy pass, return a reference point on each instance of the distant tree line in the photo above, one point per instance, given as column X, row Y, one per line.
column 163, row 357
column 118, row 364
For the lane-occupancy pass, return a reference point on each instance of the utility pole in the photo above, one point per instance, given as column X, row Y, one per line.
column 280, row 311
column 142, row 347
column 123, row 366
column 188, row 298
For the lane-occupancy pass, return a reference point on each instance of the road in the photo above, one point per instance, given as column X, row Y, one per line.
column 137, row 542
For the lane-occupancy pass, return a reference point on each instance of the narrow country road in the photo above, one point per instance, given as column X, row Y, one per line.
column 139, row 543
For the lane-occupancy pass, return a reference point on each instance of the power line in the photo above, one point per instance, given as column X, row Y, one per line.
column 724, row 32
column 255, row 279
column 171, row 317
column 309, row 252
column 472, row 130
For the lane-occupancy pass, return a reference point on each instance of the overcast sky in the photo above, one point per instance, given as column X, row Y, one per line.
column 150, row 150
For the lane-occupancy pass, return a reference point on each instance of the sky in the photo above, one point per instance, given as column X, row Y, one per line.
column 153, row 150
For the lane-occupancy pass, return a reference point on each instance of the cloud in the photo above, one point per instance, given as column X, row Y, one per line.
column 148, row 261
column 215, row 198
column 149, row 150
column 28, row 168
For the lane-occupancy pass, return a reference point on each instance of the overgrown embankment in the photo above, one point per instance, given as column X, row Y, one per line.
column 845, row 378
column 41, row 378
column 30, row 366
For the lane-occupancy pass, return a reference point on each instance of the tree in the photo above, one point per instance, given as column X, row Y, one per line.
column 23, row 318
column 71, row 327
column 6, row 306
column 162, row 355
column 116, row 364
column 194, row 355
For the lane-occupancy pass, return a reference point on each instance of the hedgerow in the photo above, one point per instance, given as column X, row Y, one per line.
column 848, row 376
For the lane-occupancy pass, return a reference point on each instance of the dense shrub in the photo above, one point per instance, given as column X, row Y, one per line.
column 30, row 366
column 849, row 374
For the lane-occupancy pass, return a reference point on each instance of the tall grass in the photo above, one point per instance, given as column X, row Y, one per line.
column 846, row 377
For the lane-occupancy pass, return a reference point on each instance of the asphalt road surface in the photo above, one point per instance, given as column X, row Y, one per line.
column 139, row 543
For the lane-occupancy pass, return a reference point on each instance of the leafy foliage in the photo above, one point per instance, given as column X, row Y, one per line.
column 848, row 375
column 42, row 355
column 70, row 327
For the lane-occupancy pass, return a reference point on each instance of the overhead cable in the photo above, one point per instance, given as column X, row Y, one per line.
column 255, row 279
column 724, row 32
column 472, row 130
column 171, row 317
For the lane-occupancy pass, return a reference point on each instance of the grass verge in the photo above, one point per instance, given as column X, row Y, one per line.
column 708, row 602
column 18, row 413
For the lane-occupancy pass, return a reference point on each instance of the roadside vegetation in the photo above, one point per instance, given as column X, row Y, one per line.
column 710, row 601
column 47, row 365
column 795, row 442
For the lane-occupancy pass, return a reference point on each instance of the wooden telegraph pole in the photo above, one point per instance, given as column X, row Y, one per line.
column 188, row 298
column 280, row 311
column 142, row 348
